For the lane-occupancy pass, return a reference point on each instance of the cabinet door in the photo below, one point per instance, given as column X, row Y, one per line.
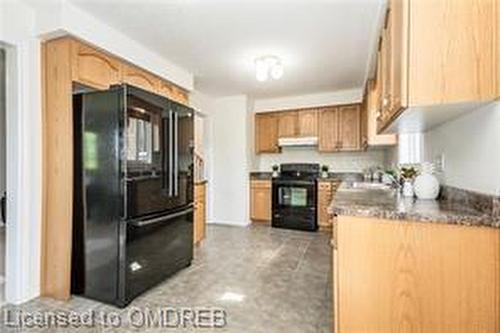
column 266, row 133
column 180, row 96
column 328, row 139
column 385, row 75
column 308, row 123
column 375, row 139
column 349, row 128
column 451, row 51
column 140, row 78
column 260, row 200
column 287, row 124
column 397, row 29
column 93, row 68
column 166, row 89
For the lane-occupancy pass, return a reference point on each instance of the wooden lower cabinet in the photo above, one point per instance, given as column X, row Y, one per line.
column 403, row 276
column 260, row 200
column 199, row 228
column 326, row 190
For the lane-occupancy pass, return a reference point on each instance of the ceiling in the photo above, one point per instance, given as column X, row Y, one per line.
column 325, row 45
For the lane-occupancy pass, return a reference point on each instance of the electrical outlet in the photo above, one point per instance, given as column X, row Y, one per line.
column 439, row 163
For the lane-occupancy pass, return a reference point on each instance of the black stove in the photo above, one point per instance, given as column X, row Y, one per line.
column 295, row 197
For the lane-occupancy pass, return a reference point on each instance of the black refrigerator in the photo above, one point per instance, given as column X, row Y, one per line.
column 133, row 192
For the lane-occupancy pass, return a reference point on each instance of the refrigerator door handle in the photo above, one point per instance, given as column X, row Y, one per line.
column 170, row 153
column 166, row 170
column 176, row 154
column 144, row 223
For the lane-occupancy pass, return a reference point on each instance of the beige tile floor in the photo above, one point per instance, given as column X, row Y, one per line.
column 264, row 279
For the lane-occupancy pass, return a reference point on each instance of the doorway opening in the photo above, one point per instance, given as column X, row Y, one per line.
column 3, row 172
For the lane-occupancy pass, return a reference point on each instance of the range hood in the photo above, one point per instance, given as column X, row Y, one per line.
column 304, row 141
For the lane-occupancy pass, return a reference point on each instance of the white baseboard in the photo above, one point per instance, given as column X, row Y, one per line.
column 232, row 223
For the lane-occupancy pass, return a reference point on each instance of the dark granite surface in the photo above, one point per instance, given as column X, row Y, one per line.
column 389, row 204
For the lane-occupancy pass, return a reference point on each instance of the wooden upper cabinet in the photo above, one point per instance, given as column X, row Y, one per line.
column 437, row 52
column 92, row 67
column 288, row 124
column 166, row 89
column 180, row 96
column 372, row 109
column 451, row 51
column 266, row 133
column 349, row 127
column 397, row 32
column 172, row 92
column 328, row 139
column 307, row 123
column 498, row 48
column 140, row 78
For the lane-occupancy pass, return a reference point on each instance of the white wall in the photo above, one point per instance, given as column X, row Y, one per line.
column 2, row 121
column 229, row 175
column 337, row 162
column 471, row 147
column 62, row 17
column 309, row 100
column 24, row 167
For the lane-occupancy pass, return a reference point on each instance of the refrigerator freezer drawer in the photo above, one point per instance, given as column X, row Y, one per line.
column 156, row 249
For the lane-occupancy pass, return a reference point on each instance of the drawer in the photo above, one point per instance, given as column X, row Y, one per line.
column 260, row 184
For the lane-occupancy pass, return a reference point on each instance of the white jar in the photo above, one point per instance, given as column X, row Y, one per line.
column 426, row 185
column 408, row 189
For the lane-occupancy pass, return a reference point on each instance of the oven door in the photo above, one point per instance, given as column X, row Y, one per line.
column 294, row 204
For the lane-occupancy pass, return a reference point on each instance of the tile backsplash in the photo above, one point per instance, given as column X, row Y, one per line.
column 338, row 162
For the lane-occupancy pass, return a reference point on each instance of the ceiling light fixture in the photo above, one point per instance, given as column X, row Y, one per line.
column 268, row 67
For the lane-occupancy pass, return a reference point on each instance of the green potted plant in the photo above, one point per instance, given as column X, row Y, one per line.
column 408, row 174
column 324, row 171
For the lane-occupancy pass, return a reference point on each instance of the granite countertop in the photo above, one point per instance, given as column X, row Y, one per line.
column 390, row 204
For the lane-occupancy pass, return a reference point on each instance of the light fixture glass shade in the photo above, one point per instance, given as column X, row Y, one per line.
column 277, row 71
column 261, row 70
column 268, row 67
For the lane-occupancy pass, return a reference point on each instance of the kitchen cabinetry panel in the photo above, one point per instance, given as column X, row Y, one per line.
column 287, row 124
column 328, row 140
column 140, row 78
column 372, row 110
column 349, row 127
column 199, row 229
column 436, row 55
column 403, row 276
column 308, row 123
column 172, row 92
column 452, row 55
column 93, row 68
column 65, row 61
column 260, row 200
column 266, row 133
